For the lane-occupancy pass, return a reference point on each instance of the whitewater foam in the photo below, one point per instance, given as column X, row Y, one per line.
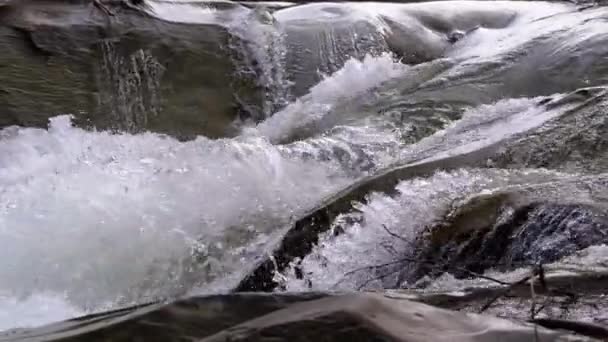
column 35, row 310
column 104, row 217
column 352, row 82
column 184, row 11
column 385, row 227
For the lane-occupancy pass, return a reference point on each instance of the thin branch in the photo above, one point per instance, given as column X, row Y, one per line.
column 533, row 297
column 380, row 277
column 502, row 293
column 543, row 306
column 373, row 267
column 103, row 8
column 402, row 260
column 586, row 329
column 399, row 237
column 481, row 276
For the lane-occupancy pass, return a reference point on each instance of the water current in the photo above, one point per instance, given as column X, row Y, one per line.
column 92, row 220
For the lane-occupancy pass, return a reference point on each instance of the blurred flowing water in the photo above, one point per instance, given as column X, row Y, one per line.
column 92, row 220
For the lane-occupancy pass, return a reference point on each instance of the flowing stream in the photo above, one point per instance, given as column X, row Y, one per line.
column 92, row 219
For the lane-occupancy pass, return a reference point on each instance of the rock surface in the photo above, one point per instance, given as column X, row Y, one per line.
column 573, row 288
column 303, row 235
column 529, row 225
column 126, row 71
column 292, row 317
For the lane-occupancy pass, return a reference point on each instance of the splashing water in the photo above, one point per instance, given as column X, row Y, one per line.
column 354, row 80
column 98, row 215
column 38, row 309
column 93, row 220
column 372, row 229
column 121, row 218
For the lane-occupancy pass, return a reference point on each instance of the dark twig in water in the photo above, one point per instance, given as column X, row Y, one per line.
column 586, row 329
column 539, row 272
column 403, row 260
column 399, row 237
column 373, row 267
column 103, row 8
column 503, row 293
column 380, row 277
column 533, row 297
column 481, row 276
column 370, row 268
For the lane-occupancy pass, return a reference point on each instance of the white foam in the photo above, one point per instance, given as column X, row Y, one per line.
column 452, row 12
column 184, row 11
column 347, row 84
column 419, row 203
column 36, row 310
column 562, row 32
column 105, row 217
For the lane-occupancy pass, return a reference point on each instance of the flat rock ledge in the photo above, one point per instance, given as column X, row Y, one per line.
column 293, row 317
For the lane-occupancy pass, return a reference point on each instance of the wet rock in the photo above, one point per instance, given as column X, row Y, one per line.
column 320, row 38
column 374, row 317
column 573, row 288
column 195, row 317
column 125, row 71
column 256, row 317
column 577, row 142
column 567, row 62
column 527, row 225
column 317, row 48
column 299, row 239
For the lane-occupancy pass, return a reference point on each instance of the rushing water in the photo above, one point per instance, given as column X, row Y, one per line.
column 91, row 220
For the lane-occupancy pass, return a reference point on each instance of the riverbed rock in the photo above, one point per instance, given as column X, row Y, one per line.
column 289, row 317
column 567, row 62
column 576, row 143
column 521, row 225
column 123, row 71
column 321, row 37
column 299, row 239
column 573, row 288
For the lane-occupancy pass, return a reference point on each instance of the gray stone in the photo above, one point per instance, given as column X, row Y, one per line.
column 125, row 71
column 303, row 234
column 288, row 317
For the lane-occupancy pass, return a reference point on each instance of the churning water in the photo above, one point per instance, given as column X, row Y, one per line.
column 91, row 220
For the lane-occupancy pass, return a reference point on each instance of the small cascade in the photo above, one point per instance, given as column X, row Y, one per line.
column 129, row 87
column 260, row 39
column 331, row 141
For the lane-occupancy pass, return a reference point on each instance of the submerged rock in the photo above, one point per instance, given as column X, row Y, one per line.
column 302, row 317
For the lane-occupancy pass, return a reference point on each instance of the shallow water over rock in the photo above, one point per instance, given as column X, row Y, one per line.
column 175, row 148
